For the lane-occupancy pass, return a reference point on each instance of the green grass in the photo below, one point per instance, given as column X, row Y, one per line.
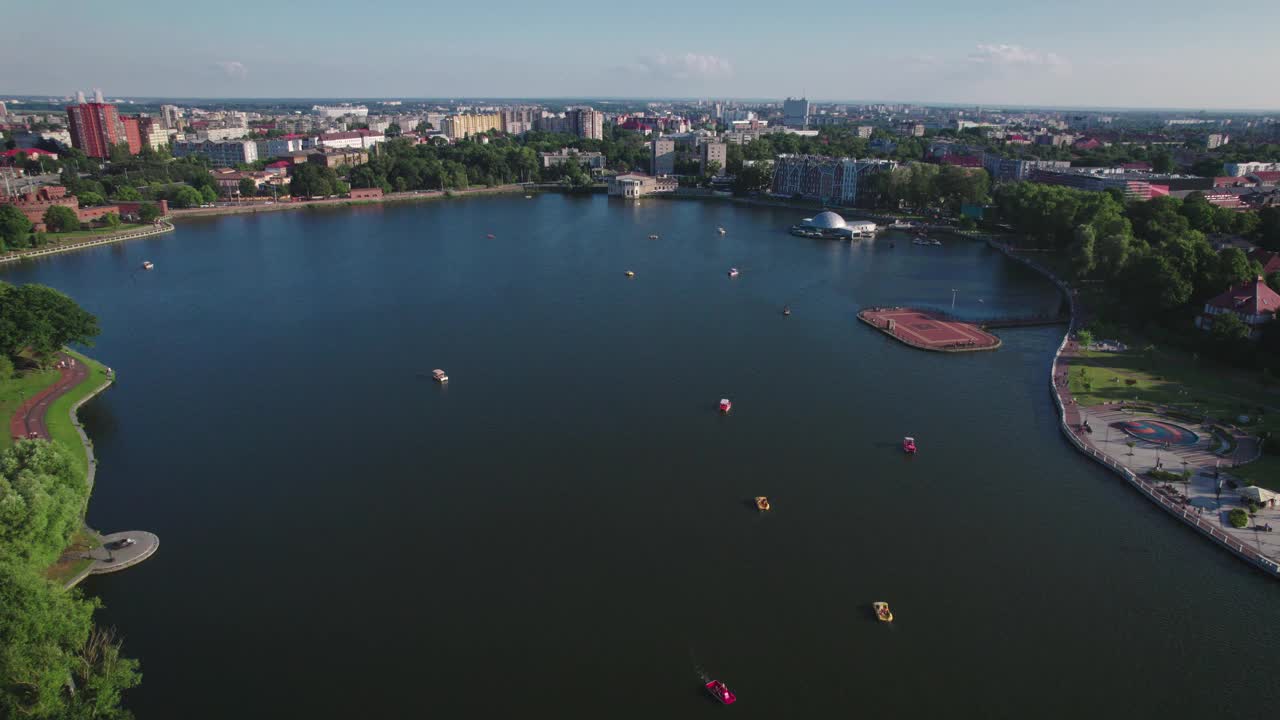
column 1177, row 379
column 12, row 392
column 59, row 420
column 74, row 235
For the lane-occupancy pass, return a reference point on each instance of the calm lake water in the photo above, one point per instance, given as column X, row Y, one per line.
column 564, row 530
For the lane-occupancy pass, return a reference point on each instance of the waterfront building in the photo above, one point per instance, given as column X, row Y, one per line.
column 662, row 156
column 1090, row 179
column 591, row 160
column 795, row 113
column 1253, row 302
column 714, row 152
column 458, row 127
column 838, row 181
column 95, row 128
column 638, row 185
column 828, row 224
column 220, row 154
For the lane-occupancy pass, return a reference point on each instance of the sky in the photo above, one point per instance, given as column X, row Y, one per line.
column 1089, row 53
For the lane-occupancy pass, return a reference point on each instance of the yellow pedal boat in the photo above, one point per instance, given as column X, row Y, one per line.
column 882, row 611
column 762, row 503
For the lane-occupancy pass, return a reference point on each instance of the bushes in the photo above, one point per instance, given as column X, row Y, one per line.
column 1167, row 476
column 1238, row 518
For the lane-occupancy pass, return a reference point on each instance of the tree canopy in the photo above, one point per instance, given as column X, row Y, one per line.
column 41, row 319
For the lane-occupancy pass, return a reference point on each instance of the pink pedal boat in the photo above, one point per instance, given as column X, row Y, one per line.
column 909, row 445
column 721, row 692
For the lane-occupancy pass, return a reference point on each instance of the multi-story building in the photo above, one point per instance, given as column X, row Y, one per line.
column 795, row 113
column 864, row 131
column 637, row 185
column 1253, row 302
column 220, row 134
column 1216, row 140
column 838, row 181
column 284, row 145
column 171, row 117
column 714, row 152
column 1134, row 188
column 333, row 157
column 586, row 123
column 132, row 133
column 352, row 139
column 1249, row 168
column 95, row 128
column 152, row 135
column 220, row 154
column 337, row 111
column 590, row 160
column 1000, row 168
column 662, row 156
column 458, row 127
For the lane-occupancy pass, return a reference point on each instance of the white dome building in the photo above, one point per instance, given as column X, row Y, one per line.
column 827, row 224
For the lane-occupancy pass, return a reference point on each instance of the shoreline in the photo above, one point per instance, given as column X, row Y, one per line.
column 388, row 199
column 1147, row 488
column 163, row 225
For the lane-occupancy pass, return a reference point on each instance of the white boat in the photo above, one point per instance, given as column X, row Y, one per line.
column 439, row 376
column 148, row 265
column 733, row 272
column 721, row 230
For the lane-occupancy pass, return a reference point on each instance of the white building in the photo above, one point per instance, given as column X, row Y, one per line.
column 354, row 139
column 337, row 111
column 220, row 134
column 1249, row 168
column 220, row 154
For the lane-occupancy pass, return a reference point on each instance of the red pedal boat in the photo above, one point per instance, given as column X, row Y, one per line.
column 721, row 692
column 725, row 406
column 909, row 445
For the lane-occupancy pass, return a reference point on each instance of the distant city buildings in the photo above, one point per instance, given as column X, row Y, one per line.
column 1249, row 168
column 226, row 153
column 864, row 131
column 1000, row 168
column 586, row 123
column 457, row 127
column 838, row 181
column 337, row 111
column 795, row 113
column 351, row 139
column 171, row 117
column 662, row 156
column 1216, row 140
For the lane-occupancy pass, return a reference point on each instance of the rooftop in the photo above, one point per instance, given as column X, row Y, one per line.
column 1249, row 298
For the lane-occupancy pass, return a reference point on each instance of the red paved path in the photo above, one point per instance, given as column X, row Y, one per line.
column 922, row 329
column 29, row 418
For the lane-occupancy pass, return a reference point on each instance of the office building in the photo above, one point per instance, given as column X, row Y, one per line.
column 838, row 181
column 220, row 154
column 333, row 157
column 1000, row 168
column 662, row 156
column 795, row 113
column 95, row 128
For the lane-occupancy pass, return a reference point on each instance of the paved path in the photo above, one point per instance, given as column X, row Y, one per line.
column 29, row 419
column 116, row 553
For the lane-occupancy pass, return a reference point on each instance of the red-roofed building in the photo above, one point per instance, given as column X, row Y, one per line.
column 1141, row 165
column 1266, row 177
column 1270, row 261
column 1229, row 181
column 1253, row 302
column 11, row 156
column 1087, row 144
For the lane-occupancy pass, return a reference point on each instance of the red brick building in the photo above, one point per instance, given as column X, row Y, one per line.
column 34, row 204
column 94, row 128
column 1253, row 302
column 132, row 133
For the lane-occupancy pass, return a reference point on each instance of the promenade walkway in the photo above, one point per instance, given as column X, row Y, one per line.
column 28, row 420
column 928, row 330
column 161, row 226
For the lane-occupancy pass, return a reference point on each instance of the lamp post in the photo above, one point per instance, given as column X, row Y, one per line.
column 953, row 298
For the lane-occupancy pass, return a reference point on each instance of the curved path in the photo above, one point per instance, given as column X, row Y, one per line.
column 28, row 420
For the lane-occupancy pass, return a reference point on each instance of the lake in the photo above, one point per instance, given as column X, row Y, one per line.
column 564, row 529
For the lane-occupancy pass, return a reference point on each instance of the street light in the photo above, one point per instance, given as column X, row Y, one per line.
column 953, row 298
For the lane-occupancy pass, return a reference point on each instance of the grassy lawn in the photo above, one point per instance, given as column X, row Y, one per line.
column 12, row 391
column 75, row 235
column 1176, row 379
column 59, row 420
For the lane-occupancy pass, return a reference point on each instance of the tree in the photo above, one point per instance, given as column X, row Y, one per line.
column 1230, row 334
column 186, row 197
column 42, row 319
column 1208, row 167
column 208, row 194
column 248, row 187
column 1162, row 162
column 1273, row 281
column 1233, row 268
column 60, row 218
column 755, row 177
column 148, row 213
column 128, row 194
column 14, row 227
column 111, row 220
column 393, row 130
column 1083, row 258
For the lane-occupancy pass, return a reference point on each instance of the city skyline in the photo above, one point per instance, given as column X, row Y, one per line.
column 1143, row 56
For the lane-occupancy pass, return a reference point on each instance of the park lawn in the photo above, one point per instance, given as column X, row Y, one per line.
column 59, row 418
column 75, row 235
column 12, row 392
column 1176, row 379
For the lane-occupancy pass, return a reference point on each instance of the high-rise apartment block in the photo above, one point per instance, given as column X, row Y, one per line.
column 714, row 152
column 586, row 123
column 95, row 127
column 170, row 117
column 662, row 156
column 458, row 127
column 795, row 113
column 132, row 133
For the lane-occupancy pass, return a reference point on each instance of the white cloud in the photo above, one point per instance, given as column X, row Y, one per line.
column 233, row 69
column 1016, row 56
column 686, row 66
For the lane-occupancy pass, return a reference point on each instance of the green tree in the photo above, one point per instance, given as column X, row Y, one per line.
column 14, row 227
column 60, row 218
column 1162, row 162
column 90, row 199
column 186, row 197
column 1208, row 167
column 248, row 187
column 128, row 194
column 42, row 319
column 1083, row 255
column 755, row 177
column 1233, row 268
column 1273, row 280
column 208, row 194
column 111, row 220
column 1229, row 333
column 148, row 213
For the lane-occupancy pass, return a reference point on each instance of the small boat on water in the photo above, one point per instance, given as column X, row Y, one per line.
column 631, row 273
column 491, row 236
column 909, row 445
column 721, row 230
column 721, row 692
column 733, row 272
column 786, row 309
column 725, row 406
column 762, row 503
column 528, row 197
column 935, row 242
column 919, row 241
column 148, row 265
column 653, row 237
column 883, row 613
column 439, row 376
